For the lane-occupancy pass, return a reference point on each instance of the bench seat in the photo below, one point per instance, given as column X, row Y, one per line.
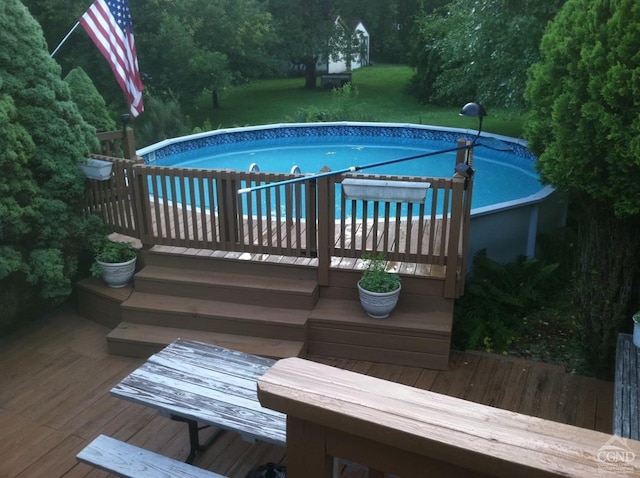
column 128, row 460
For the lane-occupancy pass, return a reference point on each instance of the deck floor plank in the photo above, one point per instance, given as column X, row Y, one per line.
column 54, row 399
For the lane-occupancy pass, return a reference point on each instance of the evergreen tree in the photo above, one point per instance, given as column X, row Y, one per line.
column 43, row 138
column 91, row 105
column 584, row 97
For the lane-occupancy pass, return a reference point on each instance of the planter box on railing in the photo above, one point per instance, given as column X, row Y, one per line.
column 97, row 169
column 383, row 190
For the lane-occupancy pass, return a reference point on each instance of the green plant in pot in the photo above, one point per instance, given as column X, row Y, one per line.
column 115, row 263
column 378, row 289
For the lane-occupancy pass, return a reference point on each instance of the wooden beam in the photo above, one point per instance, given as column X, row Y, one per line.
column 473, row 439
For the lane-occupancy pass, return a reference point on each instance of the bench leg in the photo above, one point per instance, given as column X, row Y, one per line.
column 194, row 437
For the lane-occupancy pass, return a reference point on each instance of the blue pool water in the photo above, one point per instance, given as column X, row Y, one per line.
column 501, row 176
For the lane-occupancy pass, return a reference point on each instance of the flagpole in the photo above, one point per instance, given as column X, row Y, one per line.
column 65, row 38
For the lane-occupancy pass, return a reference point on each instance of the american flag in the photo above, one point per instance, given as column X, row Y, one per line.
column 108, row 23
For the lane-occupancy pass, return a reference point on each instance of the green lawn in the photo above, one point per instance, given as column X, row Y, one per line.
column 382, row 96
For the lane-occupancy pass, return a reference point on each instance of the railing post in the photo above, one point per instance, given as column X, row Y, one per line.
column 461, row 155
column 312, row 219
column 454, row 240
column 306, row 454
column 466, row 226
column 228, row 209
column 467, row 156
column 141, row 204
column 129, row 144
column 325, row 214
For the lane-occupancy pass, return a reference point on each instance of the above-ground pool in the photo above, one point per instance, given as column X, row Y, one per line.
column 509, row 206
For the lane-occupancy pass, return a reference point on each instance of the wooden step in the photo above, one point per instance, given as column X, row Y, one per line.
column 270, row 265
column 229, row 287
column 100, row 303
column 139, row 340
column 417, row 336
column 215, row 316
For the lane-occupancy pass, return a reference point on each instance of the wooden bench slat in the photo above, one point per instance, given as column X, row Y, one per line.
column 242, row 394
column 626, row 414
column 172, row 401
column 242, row 386
column 128, row 460
column 200, row 353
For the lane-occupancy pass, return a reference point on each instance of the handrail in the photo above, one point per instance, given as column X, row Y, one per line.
column 408, row 432
column 119, row 144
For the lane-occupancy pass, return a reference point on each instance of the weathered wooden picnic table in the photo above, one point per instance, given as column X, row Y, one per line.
column 206, row 385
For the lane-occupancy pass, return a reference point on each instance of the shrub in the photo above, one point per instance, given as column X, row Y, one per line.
column 343, row 107
column 43, row 137
column 497, row 296
column 375, row 278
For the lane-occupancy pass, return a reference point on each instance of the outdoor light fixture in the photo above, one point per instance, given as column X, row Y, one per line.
column 124, row 119
column 463, row 169
column 475, row 110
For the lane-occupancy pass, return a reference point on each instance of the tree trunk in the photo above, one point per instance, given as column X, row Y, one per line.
column 607, row 283
column 215, row 99
column 310, row 75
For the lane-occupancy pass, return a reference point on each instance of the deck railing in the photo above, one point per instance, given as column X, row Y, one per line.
column 118, row 144
column 400, row 431
column 197, row 208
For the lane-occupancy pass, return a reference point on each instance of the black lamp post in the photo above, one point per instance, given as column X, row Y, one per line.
column 475, row 110
column 125, row 119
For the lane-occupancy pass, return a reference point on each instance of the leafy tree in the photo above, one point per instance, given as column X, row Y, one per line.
column 584, row 96
column 43, row 138
column 389, row 22
column 164, row 119
column 479, row 49
column 90, row 103
column 194, row 46
column 306, row 30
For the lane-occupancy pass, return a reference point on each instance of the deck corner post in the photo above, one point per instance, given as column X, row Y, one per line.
column 141, row 205
column 325, row 214
column 129, row 144
column 306, row 450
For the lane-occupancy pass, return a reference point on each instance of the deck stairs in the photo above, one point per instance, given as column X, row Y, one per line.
column 271, row 308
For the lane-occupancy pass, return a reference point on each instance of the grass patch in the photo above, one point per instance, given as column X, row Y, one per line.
column 382, row 95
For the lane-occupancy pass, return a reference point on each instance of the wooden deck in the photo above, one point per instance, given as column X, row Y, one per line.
column 55, row 379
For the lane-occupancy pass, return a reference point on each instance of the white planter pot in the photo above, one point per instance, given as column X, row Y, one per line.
column 97, row 169
column 636, row 329
column 118, row 275
column 378, row 305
